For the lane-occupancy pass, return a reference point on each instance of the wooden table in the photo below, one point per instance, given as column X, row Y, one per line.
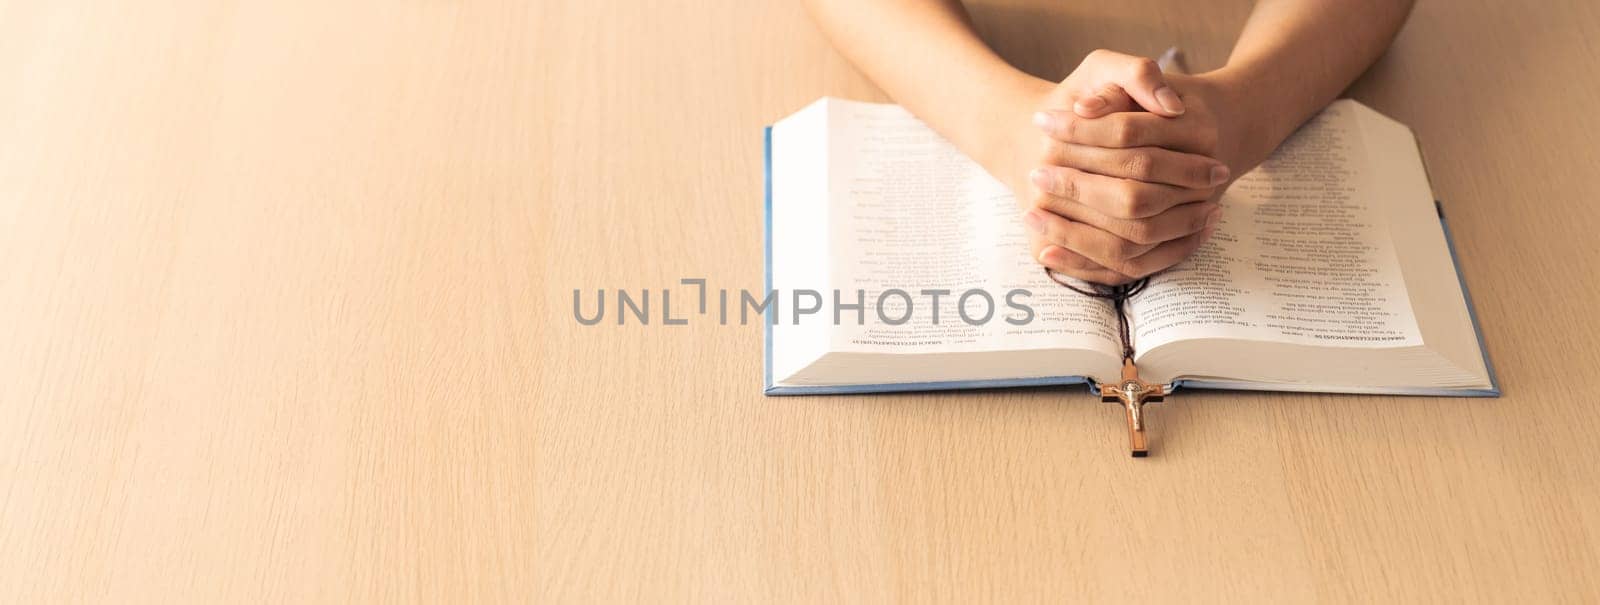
column 285, row 314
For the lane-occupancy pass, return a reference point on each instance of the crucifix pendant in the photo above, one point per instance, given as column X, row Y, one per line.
column 1133, row 393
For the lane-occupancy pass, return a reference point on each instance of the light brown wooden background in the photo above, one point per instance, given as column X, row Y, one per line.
column 285, row 314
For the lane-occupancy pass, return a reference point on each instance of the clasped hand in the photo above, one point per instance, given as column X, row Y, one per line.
column 1129, row 166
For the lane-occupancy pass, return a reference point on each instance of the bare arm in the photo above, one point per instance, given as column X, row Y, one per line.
column 928, row 57
column 1298, row 55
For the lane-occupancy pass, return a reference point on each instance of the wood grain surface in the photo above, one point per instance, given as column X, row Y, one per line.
column 286, row 315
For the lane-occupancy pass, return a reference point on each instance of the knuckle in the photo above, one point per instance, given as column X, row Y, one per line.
column 1058, row 234
column 1145, row 67
column 1128, row 201
column 1067, row 128
column 1140, row 232
column 1141, row 199
column 1125, row 250
column 1066, row 185
column 1138, row 165
column 1124, row 131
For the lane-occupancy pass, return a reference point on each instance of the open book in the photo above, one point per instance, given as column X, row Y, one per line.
column 1331, row 271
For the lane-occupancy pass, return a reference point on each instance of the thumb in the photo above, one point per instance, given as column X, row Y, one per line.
column 1109, row 99
column 1140, row 79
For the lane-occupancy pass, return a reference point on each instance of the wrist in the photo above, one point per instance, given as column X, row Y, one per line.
column 1256, row 123
column 1005, row 150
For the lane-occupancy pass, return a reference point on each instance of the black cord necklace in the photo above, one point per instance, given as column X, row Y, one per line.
column 1118, row 297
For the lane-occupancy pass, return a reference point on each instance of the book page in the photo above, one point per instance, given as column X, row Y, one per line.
column 1303, row 255
column 912, row 213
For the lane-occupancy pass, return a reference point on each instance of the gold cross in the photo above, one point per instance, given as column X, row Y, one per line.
column 1133, row 393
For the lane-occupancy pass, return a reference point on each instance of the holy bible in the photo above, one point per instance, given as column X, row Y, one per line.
column 1331, row 271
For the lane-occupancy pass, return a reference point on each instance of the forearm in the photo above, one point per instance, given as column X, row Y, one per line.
column 926, row 55
column 1296, row 56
